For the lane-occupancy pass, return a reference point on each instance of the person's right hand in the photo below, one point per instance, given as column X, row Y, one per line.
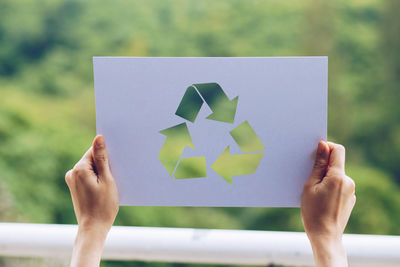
column 93, row 189
column 95, row 199
column 327, row 201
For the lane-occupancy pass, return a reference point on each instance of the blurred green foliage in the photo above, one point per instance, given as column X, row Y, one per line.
column 47, row 113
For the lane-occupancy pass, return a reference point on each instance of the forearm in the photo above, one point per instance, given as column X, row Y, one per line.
column 329, row 253
column 88, row 247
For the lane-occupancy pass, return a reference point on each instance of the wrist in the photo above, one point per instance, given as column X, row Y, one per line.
column 325, row 239
column 328, row 251
column 86, row 227
column 94, row 234
column 88, row 246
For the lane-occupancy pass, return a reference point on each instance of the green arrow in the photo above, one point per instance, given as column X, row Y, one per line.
column 191, row 168
column 228, row 165
column 190, row 105
column 223, row 109
column 246, row 138
column 178, row 137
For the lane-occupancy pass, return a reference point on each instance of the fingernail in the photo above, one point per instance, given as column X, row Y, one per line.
column 100, row 142
column 320, row 146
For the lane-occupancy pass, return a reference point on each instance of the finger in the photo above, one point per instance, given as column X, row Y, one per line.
column 71, row 185
column 83, row 173
column 68, row 178
column 338, row 155
column 350, row 185
column 321, row 162
column 84, row 164
column 87, row 157
column 100, row 156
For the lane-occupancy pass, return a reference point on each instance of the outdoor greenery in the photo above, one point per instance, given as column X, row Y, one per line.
column 47, row 111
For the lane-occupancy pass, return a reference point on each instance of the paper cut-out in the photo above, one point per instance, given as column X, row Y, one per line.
column 281, row 116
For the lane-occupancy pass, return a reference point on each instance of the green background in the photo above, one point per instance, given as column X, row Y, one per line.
column 47, row 113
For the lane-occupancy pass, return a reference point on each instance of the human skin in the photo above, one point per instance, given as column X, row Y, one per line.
column 95, row 199
column 327, row 201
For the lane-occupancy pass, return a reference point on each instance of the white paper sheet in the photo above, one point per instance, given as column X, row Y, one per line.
column 282, row 100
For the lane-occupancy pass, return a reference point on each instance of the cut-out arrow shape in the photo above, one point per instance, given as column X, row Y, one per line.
column 178, row 137
column 228, row 165
column 223, row 109
column 190, row 104
column 246, row 138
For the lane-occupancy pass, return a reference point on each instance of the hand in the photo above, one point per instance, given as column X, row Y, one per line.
column 327, row 201
column 95, row 199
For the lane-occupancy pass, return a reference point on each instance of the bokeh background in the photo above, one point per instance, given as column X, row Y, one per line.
column 47, row 111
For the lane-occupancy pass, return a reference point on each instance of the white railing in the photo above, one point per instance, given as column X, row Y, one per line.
column 195, row 245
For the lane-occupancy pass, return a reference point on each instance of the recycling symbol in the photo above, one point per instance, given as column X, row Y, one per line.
column 223, row 110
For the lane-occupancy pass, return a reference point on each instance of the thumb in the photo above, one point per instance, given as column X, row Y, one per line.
column 100, row 156
column 321, row 162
